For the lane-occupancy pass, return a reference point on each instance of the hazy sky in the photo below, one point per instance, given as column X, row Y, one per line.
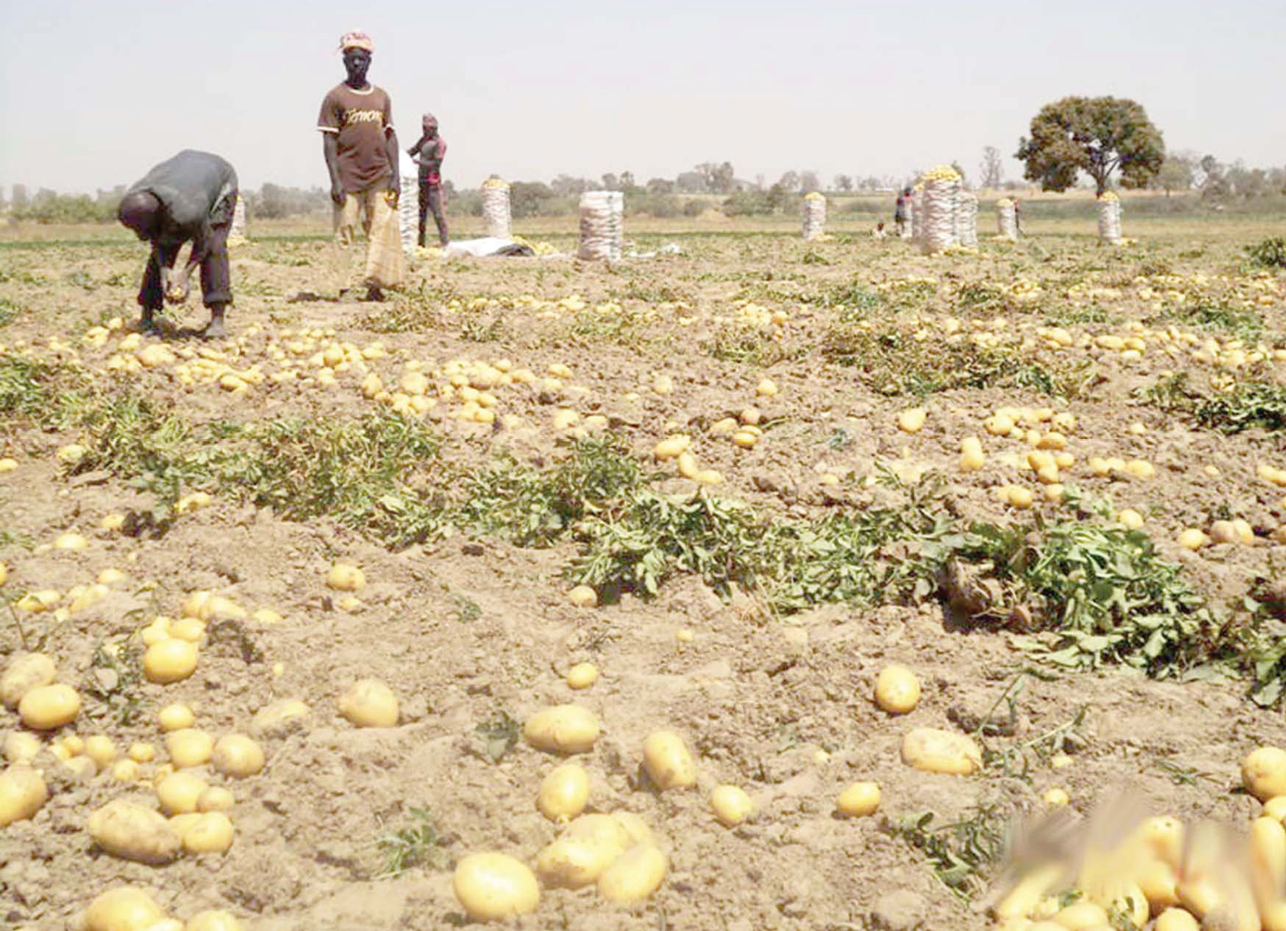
column 96, row 91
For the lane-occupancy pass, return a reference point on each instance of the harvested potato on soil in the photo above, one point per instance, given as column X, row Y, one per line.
column 667, row 761
column 494, row 886
column 180, row 792
column 564, row 792
column 858, row 800
column 731, row 805
column 211, row 832
column 937, row 751
column 25, row 672
column 237, row 755
column 634, row 876
column 562, row 729
column 1263, row 772
column 897, row 690
column 134, row 832
column 189, row 747
column 49, row 707
column 345, row 577
column 125, row 908
column 22, row 793
column 369, row 703
column 170, row 660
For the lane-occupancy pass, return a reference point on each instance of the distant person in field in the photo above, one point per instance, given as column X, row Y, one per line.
column 899, row 211
column 360, row 147
column 187, row 198
column 1018, row 216
column 878, row 232
column 429, row 152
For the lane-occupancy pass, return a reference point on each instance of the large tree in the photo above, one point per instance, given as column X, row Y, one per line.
column 1096, row 135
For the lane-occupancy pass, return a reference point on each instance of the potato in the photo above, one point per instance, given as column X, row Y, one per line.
column 344, row 577
column 897, row 690
column 494, row 886
column 634, row 876
column 190, row 629
column 972, row 457
column 937, row 751
column 667, row 761
column 125, row 908
column 1081, row 916
column 912, row 419
column 1263, row 772
column 564, row 792
column 1159, row 885
column 101, row 750
column 124, row 771
column 280, row 718
column 213, row 919
column 574, row 862
column 22, row 793
column 189, row 747
column 859, row 800
column 562, row 729
column 671, row 447
column 238, row 756
column 175, row 717
column 635, row 827
column 130, row 831
column 25, row 672
column 4, row 573
column 212, row 832
column 81, row 768
column 170, row 660
column 731, row 805
column 1176, row 919
column 48, row 707
column 178, row 793
column 1129, row 518
column 369, row 703
column 1192, row 538
column 21, row 747
column 142, row 752
column 583, row 596
column 1023, row 898
column 1268, row 855
column 1163, row 836
column 582, row 676
column 766, row 388
column 1056, row 796
column 1275, row 808
column 215, row 798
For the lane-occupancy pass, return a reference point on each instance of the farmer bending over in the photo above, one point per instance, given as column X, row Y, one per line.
column 189, row 197
column 429, row 153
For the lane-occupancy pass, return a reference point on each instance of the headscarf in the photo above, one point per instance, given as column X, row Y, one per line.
column 429, row 120
column 355, row 38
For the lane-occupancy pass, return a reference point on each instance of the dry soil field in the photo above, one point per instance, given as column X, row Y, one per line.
column 488, row 441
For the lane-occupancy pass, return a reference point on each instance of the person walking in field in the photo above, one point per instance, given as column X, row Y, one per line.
column 429, row 152
column 899, row 211
column 188, row 198
column 1018, row 216
column 361, row 151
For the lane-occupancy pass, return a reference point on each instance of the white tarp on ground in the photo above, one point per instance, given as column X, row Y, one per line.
column 487, row 245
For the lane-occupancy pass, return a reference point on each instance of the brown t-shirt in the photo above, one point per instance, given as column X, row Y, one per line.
column 361, row 120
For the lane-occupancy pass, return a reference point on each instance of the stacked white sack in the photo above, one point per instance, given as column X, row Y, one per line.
column 1006, row 220
column 814, row 215
column 938, row 219
column 495, row 208
column 967, row 220
column 1109, row 218
column 601, row 225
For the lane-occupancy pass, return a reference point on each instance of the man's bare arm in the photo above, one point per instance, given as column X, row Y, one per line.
column 330, row 149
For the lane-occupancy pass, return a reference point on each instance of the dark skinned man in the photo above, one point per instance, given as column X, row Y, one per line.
column 360, row 147
column 429, row 152
column 188, row 198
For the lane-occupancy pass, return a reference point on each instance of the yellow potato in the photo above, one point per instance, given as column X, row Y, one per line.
column 215, row 798
column 1263, row 772
column 1275, row 807
column 1056, row 796
column 1192, row 539
column 564, row 792
column 170, row 660
column 897, row 690
column 1129, row 518
column 582, row 676
column 369, row 703
column 21, row 747
column 671, row 447
column 731, row 805
column 1268, row 856
column 937, row 751
column 972, row 457
column 130, row 831
column 1163, row 836
column 583, row 596
column 101, row 750
column 344, row 577
column 858, row 800
column 562, row 729
column 766, row 388
column 574, row 862
column 213, row 919
column 1081, row 916
column 667, row 761
column 48, row 707
column 174, row 717
column 22, row 793
column 1176, row 919
column 237, row 755
column 124, row 908
column 178, row 793
column 25, row 672
column 189, row 747
column 141, row 752
column 634, row 876
column 190, row 629
column 494, row 886
column 1159, row 885
column 212, row 832
column 124, row 771
column 912, row 419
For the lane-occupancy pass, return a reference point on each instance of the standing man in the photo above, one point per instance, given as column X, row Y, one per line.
column 429, row 152
column 190, row 197
column 360, row 146
column 899, row 210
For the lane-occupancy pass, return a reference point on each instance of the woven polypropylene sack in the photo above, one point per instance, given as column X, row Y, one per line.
column 908, row 224
column 967, row 220
column 814, row 216
column 917, row 215
column 1109, row 219
column 938, row 218
column 496, row 214
column 238, row 230
column 408, row 200
column 601, row 225
column 1006, row 221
